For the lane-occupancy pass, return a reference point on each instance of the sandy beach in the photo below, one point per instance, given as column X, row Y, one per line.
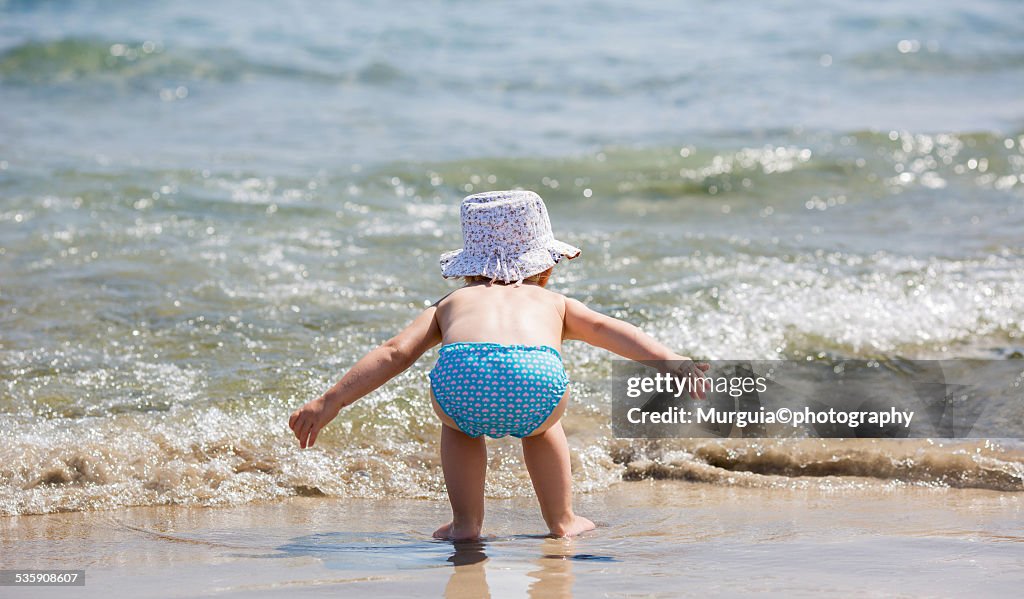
column 656, row 539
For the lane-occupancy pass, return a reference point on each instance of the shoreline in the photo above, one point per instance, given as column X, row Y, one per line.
column 653, row 536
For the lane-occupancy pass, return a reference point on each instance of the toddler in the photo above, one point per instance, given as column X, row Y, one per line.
column 499, row 370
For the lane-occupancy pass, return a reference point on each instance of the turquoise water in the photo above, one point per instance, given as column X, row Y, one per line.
column 208, row 211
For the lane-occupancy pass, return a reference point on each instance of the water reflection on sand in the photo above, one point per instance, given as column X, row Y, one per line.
column 653, row 538
column 551, row 576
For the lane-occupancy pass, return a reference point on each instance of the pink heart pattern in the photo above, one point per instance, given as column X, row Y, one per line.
column 497, row 389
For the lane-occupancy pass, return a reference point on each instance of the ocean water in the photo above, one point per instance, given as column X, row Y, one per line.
column 208, row 211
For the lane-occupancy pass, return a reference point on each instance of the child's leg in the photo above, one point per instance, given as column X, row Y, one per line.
column 464, row 461
column 547, row 459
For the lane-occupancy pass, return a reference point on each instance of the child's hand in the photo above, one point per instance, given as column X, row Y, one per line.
column 693, row 372
column 307, row 421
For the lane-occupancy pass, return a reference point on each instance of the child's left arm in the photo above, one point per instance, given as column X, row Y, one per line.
column 371, row 371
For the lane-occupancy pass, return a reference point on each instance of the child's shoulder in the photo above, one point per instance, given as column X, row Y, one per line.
column 553, row 297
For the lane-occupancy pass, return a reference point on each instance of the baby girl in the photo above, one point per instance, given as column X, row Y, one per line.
column 499, row 370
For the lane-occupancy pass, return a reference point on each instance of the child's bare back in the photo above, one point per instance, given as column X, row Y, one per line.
column 527, row 314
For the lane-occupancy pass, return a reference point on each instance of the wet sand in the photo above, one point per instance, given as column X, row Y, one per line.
column 656, row 538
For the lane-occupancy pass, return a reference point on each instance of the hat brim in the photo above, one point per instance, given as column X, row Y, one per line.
column 460, row 263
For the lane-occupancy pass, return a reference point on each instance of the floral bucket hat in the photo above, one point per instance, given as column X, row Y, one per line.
column 506, row 236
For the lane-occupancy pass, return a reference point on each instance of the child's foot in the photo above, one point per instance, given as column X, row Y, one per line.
column 578, row 525
column 449, row 532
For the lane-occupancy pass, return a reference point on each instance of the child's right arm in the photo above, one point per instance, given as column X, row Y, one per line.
column 371, row 371
column 622, row 338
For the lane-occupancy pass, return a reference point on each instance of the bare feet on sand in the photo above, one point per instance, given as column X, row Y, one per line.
column 578, row 525
column 450, row 532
